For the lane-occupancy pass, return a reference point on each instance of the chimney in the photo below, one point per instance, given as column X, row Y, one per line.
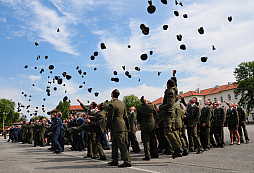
column 197, row 90
column 217, row 86
column 229, row 83
column 181, row 92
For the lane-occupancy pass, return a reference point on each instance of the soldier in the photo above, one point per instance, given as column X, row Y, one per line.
column 36, row 133
column 179, row 125
column 29, row 132
column 11, row 134
column 132, row 132
column 168, row 117
column 193, row 115
column 5, row 133
column 117, row 122
column 15, row 134
column 218, row 123
column 92, row 151
column 242, row 124
column 205, row 122
column 81, row 134
column 24, row 132
column 233, row 123
column 212, row 141
column 57, row 128
column 42, row 133
column 145, row 115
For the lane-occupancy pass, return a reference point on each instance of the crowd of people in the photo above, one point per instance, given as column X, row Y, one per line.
column 163, row 128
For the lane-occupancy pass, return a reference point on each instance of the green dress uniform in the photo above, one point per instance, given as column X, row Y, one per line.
column 90, row 138
column 146, row 114
column 30, row 133
column 205, row 117
column 218, row 123
column 242, row 125
column 132, row 133
column 24, row 133
column 42, row 134
column 117, row 122
column 168, row 117
column 36, row 134
column 193, row 115
column 179, row 116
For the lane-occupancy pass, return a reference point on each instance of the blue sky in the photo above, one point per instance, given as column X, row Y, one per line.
column 84, row 24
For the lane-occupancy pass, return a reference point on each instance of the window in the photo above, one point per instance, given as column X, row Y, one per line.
column 221, row 99
column 229, row 97
column 236, row 96
column 215, row 99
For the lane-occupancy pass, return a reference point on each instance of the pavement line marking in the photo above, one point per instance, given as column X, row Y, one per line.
column 139, row 169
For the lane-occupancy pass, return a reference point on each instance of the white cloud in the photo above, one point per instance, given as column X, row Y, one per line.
column 3, row 19
column 34, row 77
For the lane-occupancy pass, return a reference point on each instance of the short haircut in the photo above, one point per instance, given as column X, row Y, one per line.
column 115, row 93
column 171, row 83
column 142, row 99
column 94, row 104
column 101, row 106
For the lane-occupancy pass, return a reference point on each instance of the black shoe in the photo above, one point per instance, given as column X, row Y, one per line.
column 247, row 141
column 185, row 153
column 95, row 157
column 222, row 145
column 57, row 151
column 155, row 156
column 124, row 165
column 103, row 158
column 206, row 149
column 199, row 151
column 238, row 143
column 112, row 163
column 146, row 158
column 242, row 141
column 107, row 148
column 50, row 149
column 159, row 150
column 231, row 144
column 136, row 151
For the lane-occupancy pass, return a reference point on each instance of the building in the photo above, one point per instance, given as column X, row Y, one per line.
column 75, row 109
column 217, row 93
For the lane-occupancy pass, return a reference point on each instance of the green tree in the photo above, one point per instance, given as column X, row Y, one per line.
column 7, row 112
column 64, row 107
column 22, row 118
column 244, row 75
column 130, row 101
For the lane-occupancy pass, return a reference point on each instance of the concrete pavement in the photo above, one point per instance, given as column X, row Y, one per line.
column 17, row 157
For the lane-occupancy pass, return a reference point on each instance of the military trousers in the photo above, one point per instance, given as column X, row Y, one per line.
column 219, row 135
column 150, row 143
column 183, row 139
column 133, row 141
column 42, row 139
column 205, row 136
column 193, row 138
column 119, row 141
column 212, row 141
column 171, row 135
column 36, row 139
column 243, row 126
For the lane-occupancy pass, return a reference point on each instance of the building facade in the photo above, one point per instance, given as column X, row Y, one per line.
column 218, row 93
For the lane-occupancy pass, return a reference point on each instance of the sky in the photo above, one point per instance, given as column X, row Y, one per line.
column 85, row 24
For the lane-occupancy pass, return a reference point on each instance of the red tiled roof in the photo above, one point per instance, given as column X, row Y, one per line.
column 208, row 91
column 158, row 101
column 72, row 107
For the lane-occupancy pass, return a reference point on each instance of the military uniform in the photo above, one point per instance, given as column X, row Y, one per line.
column 42, row 134
column 117, row 122
column 30, row 133
column 179, row 116
column 168, row 117
column 206, row 115
column 145, row 115
column 218, row 123
column 242, row 125
column 24, row 132
column 36, row 133
column 193, row 116
column 132, row 133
